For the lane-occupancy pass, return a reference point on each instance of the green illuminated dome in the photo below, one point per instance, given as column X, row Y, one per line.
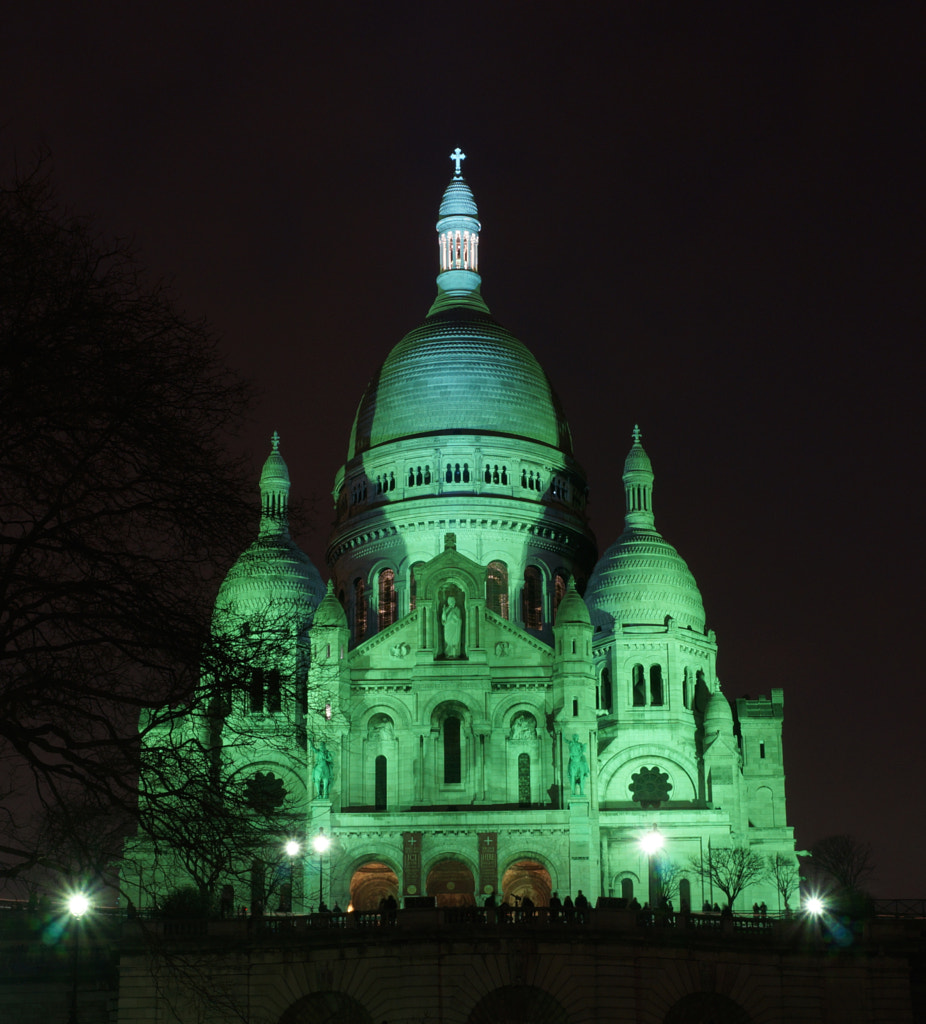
column 572, row 609
column 459, row 371
column 330, row 612
column 458, row 431
column 641, row 579
column 273, row 577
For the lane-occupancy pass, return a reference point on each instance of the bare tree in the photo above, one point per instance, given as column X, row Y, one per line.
column 845, row 862
column 730, row 869
column 668, row 874
column 784, row 872
column 118, row 501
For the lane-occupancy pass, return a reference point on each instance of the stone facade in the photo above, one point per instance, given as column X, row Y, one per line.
column 456, row 718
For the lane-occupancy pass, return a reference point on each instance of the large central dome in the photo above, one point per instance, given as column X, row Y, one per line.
column 459, row 433
column 460, row 371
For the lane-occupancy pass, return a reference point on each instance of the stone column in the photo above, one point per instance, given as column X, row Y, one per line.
column 411, row 864
column 488, row 863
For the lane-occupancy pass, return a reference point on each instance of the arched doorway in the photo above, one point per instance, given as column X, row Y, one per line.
column 370, row 883
column 326, row 1008
column 527, row 878
column 518, row 1004
column 451, row 883
column 706, row 1008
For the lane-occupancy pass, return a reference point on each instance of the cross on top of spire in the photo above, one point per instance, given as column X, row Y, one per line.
column 275, row 442
column 637, row 435
column 457, row 156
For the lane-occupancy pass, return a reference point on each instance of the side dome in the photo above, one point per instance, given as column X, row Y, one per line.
column 718, row 716
column 329, row 612
column 572, row 609
column 273, row 579
column 641, row 579
column 459, row 372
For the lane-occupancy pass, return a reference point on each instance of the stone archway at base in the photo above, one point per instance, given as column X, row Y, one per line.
column 518, row 1004
column 370, row 883
column 527, row 878
column 451, row 883
column 326, row 1008
column 706, row 1008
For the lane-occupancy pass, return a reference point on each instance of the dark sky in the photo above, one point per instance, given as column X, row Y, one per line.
column 707, row 219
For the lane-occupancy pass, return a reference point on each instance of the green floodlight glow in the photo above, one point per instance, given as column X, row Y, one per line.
column 652, row 842
column 292, row 848
column 321, row 843
column 814, row 905
column 78, row 904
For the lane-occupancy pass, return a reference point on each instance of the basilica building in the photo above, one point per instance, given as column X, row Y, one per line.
column 468, row 700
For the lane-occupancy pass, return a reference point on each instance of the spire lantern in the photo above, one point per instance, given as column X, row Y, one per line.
column 458, row 230
column 638, row 486
column 274, row 492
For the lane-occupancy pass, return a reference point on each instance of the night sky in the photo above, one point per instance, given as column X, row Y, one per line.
column 707, row 219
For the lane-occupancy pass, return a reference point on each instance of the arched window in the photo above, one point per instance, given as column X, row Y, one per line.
column 524, row 779
column 559, row 589
column 379, row 797
column 639, row 687
column 256, row 702
column 466, row 472
column 605, row 689
column 533, row 598
column 655, row 684
column 627, row 889
column 387, row 604
column 360, row 610
column 274, row 696
column 497, row 588
column 413, row 585
column 452, row 758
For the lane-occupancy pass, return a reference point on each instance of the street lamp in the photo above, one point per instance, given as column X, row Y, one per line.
column 78, row 905
column 291, row 848
column 814, row 906
column 320, row 844
column 651, row 843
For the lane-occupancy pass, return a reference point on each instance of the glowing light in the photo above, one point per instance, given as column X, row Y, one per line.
column 652, row 842
column 321, row 843
column 78, row 904
column 292, row 848
column 814, row 905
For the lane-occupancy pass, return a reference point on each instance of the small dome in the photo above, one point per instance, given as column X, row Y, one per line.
column 718, row 716
column 275, row 474
column 640, row 580
column 330, row 612
column 458, row 200
column 272, row 579
column 572, row 609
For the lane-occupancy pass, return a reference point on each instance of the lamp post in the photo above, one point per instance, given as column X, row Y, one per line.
column 651, row 843
column 292, row 848
column 320, row 844
column 78, row 905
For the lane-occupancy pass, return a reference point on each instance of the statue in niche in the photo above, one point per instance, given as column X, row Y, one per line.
column 381, row 728
column 323, row 772
column 452, row 622
column 578, row 766
column 524, row 726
